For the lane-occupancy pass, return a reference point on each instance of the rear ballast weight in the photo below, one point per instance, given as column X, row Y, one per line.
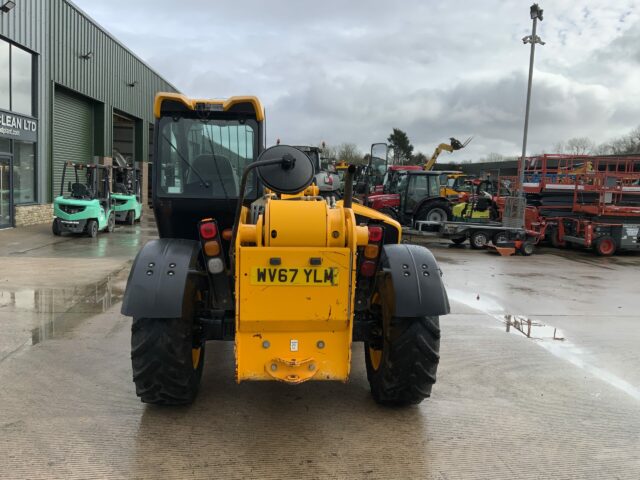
column 291, row 278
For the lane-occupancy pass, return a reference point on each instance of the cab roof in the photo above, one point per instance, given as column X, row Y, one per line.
column 169, row 102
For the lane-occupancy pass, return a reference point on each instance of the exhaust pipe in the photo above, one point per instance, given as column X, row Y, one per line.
column 348, row 187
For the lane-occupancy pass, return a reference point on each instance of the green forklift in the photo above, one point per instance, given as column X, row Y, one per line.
column 126, row 191
column 86, row 206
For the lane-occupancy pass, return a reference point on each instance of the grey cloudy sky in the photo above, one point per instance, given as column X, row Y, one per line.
column 350, row 71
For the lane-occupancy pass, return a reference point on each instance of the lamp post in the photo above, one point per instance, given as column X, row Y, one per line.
column 536, row 14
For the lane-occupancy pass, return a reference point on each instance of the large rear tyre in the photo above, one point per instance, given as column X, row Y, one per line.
column 434, row 212
column 131, row 217
column 167, row 360
column 402, row 361
column 55, row 227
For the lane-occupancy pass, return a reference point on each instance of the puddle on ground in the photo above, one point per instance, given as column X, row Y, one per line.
column 57, row 311
column 546, row 336
column 531, row 328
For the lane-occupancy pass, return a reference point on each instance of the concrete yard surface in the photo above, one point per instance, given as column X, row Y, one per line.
column 505, row 406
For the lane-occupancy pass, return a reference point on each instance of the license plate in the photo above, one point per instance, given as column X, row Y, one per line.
column 68, row 222
column 320, row 277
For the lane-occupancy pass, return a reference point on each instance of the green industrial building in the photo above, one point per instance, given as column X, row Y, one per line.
column 69, row 91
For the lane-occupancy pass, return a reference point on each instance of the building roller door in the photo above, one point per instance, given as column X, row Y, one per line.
column 72, row 133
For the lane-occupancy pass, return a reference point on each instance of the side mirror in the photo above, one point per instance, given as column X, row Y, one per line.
column 285, row 169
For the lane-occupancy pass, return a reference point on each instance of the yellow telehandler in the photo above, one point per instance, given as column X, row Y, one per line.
column 250, row 253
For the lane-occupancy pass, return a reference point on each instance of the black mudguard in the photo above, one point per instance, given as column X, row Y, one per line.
column 159, row 277
column 417, row 281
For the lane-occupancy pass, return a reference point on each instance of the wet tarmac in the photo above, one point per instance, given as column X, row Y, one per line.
column 506, row 405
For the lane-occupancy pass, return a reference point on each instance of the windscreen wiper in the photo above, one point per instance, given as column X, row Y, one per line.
column 202, row 180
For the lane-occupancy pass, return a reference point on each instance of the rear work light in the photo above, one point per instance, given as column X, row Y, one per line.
column 208, row 230
column 368, row 268
column 375, row 234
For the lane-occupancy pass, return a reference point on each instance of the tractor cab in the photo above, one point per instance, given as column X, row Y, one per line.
column 126, row 190
column 420, row 198
column 84, row 204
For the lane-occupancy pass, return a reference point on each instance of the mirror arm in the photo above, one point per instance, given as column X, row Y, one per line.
column 285, row 162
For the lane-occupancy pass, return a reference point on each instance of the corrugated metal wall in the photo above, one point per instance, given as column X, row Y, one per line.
column 60, row 33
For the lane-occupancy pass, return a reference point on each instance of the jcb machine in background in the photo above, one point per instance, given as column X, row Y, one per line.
column 250, row 253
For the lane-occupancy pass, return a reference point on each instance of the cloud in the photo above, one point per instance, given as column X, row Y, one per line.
column 351, row 71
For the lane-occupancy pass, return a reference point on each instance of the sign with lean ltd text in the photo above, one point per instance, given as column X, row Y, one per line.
column 18, row 127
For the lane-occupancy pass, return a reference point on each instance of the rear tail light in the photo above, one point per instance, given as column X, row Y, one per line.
column 375, row 234
column 215, row 265
column 368, row 268
column 208, row 230
column 212, row 248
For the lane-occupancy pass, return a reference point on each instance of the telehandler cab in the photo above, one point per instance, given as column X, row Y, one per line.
column 250, row 253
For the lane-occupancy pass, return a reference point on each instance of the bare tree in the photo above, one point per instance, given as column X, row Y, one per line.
column 626, row 144
column 329, row 151
column 580, row 146
column 350, row 153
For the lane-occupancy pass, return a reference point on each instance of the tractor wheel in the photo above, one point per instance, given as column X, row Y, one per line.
column 605, row 246
column 500, row 237
column 55, row 227
column 459, row 240
column 167, row 360
column 92, row 228
column 111, row 223
column 402, row 361
column 479, row 240
column 131, row 217
column 434, row 212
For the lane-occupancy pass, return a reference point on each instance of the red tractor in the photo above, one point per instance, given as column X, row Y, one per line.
column 410, row 195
